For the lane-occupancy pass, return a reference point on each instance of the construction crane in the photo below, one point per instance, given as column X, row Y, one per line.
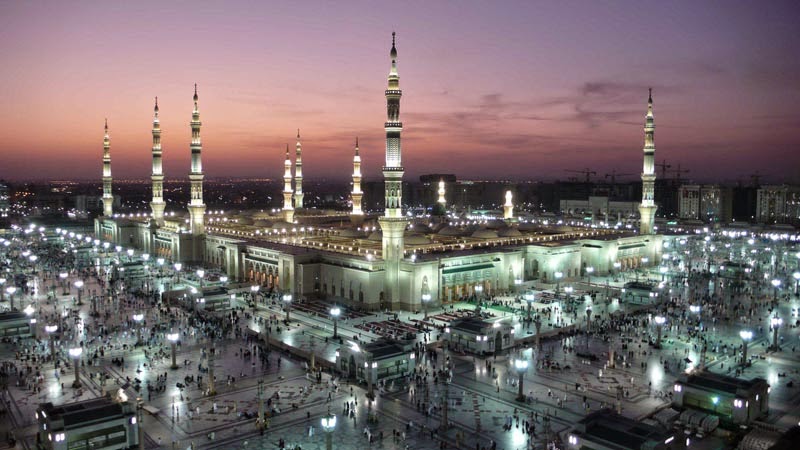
column 664, row 166
column 614, row 176
column 678, row 172
column 586, row 172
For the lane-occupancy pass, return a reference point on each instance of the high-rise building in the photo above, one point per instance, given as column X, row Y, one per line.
column 778, row 204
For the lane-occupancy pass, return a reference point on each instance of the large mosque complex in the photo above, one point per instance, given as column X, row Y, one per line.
column 369, row 261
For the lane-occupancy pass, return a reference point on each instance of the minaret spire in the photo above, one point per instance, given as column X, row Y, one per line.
column 197, row 208
column 288, row 210
column 108, row 197
column 647, row 210
column 157, row 205
column 393, row 223
column 298, row 174
column 356, row 215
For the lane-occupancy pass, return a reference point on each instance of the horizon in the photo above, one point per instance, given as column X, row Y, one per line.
column 511, row 91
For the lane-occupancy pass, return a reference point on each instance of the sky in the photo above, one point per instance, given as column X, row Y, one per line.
column 491, row 90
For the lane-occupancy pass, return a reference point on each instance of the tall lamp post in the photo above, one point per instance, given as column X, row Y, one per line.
column 287, row 299
column 2, row 289
column 521, row 365
column 589, row 271
column 558, row 276
column 63, row 276
column 76, row 352
column 11, row 290
column 173, row 339
column 529, row 299
column 328, row 425
column 200, row 274
column 775, row 284
column 478, row 295
column 51, row 331
column 335, row 311
column 79, row 286
column 775, row 323
column 178, row 267
column 746, row 335
column 138, row 318
column 568, row 290
column 796, row 276
column 426, row 298
column 660, row 320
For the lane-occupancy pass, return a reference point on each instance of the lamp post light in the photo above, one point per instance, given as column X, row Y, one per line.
column 796, row 276
column 335, row 311
column 76, row 352
column 200, row 274
column 479, row 293
column 178, row 267
column 51, row 331
column 568, row 290
column 426, row 298
column 663, row 271
column 138, row 318
column 328, row 425
column 660, row 320
column 79, row 286
column 588, row 325
column 2, row 290
column 746, row 335
column 775, row 323
column 521, row 365
column 558, row 276
column 11, row 290
column 63, row 276
column 589, row 271
column 529, row 299
column 287, row 299
column 254, row 291
column 775, row 284
column 173, row 339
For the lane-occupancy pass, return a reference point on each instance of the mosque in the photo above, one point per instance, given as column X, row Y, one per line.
column 368, row 261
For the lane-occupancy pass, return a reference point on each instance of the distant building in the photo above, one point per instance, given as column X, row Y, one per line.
column 601, row 208
column 606, row 430
column 778, row 204
column 5, row 203
column 709, row 203
column 93, row 203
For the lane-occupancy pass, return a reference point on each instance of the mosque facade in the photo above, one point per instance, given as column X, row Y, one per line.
column 367, row 261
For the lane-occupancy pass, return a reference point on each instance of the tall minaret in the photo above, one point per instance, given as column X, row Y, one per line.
column 197, row 208
column 157, row 206
column 298, row 174
column 288, row 210
column 647, row 210
column 441, row 199
column 508, row 207
column 393, row 223
column 108, row 197
column 357, row 194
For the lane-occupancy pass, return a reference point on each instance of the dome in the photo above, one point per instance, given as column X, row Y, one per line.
column 451, row 231
column 509, row 232
column 484, row 234
column 376, row 235
column 243, row 220
column 495, row 224
column 351, row 233
column 282, row 225
column 415, row 239
column 262, row 223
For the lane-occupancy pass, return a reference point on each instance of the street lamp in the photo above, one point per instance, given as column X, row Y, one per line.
column 694, row 308
column 138, row 319
column 558, row 281
column 659, row 324
column 568, row 290
column 529, row 299
column 76, row 352
column 746, row 335
column 328, row 425
column 775, row 323
column 287, row 298
column 63, row 276
column 79, row 286
column 200, row 274
column 335, row 311
column 663, row 271
column 521, row 365
column 589, row 272
column 425, row 299
column 796, row 276
column 173, row 339
column 775, row 284
column 51, row 331
column 178, row 267
column 11, row 290
column 254, row 291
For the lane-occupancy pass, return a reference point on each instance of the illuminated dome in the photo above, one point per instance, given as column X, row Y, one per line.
column 484, row 233
column 416, row 239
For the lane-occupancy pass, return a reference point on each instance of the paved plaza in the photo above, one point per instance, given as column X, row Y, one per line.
column 571, row 374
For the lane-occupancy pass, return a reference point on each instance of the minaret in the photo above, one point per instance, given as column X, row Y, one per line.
column 157, row 206
column 647, row 210
column 441, row 199
column 298, row 174
column 288, row 210
column 393, row 223
column 197, row 208
column 108, row 197
column 508, row 207
column 357, row 194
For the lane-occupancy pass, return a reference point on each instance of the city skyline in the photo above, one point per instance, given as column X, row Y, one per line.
column 483, row 87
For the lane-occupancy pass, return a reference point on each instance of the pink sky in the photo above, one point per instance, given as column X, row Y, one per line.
column 509, row 89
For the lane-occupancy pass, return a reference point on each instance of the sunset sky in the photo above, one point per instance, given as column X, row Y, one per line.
column 496, row 90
